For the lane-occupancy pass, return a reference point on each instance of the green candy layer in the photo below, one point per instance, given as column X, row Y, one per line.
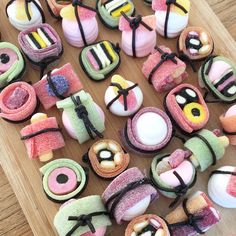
column 78, row 124
column 79, row 207
column 15, row 69
column 79, row 171
column 201, row 151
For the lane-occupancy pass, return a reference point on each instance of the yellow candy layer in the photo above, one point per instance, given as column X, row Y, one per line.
column 20, row 10
column 110, row 50
column 119, row 80
column 184, row 3
column 68, row 12
column 189, row 115
column 39, row 40
column 125, row 9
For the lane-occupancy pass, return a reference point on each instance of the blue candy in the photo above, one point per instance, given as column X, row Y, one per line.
column 60, row 83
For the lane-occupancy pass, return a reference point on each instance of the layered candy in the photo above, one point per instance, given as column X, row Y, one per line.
column 228, row 123
column 196, row 215
column 107, row 158
column 55, row 7
column 147, row 132
column 164, row 70
column 138, row 34
column 195, row 43
column 18, row 102
column 63, row 179
column 56, row 85
column 42, row 46
column 100, row 60
column 123, row 97
column 218, row 76
column 222, row 185
column 147, row 225
column 42, row 137
column 109, row 11
column 128, row 195
column 186, row 105
column 82, row 117
column 173, row 174
column 12, row 64
column 79, row 24
column 85, row 217
column 171, row 16
column 206, row 148
column 24, row 14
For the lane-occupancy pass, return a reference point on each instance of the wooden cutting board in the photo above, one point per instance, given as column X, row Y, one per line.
column 24, row 174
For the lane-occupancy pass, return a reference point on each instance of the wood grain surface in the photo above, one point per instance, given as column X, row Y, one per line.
column 23, row 174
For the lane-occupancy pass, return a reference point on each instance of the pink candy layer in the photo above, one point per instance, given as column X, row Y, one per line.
column 92, row 60
column 231, row 187
column 162, row 79
column 178, row 114
column 99, row 232
column 62, row 188
column 132, row 197
column 22, row 112
column 85, row 14
column 133, row 136
column 45, row 142
column 74, row 86
column 159, row 5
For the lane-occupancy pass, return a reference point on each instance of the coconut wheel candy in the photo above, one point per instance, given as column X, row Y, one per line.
column 222, row 186
column 171, row 16
column 18, row 102
column 228, row 123
column 196, row 215
column 195, row 44
column 12, row 64
column 24, row 14
column 109, row 11
column 218, row 75
column 56, row 85
column 55, row 7
column 147, row 132
column 206, row 148
column 85, row 217
column 63, row 179
column 163, row 69
column 128, row 195
column 79, row 24
column 107, row 158
column 82, row 117
column 173, row 174
column 123, row 97
column 187, row 108
column 42, row 46
column 100, row 60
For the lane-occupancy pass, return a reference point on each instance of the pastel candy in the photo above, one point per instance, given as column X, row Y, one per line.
column 35, row 52
column 145, row 38
column 197, row 205
column 40, row 139
column 221, row 186
column 134, row 98
column 217, row 75
column 83, row 206
column 164, row 176
column 99, row 60
column 71, row 85
column 142, row 194
column 12, row 64
column 107, row 158
column 23, row 108
column 72, row 121
column 147, row 132
column 110, row 12
column 187, row 107
column 75, row 35
column 177, row 19
column 16, row 13
column 166, row 76
column 148, row 224
column 63, row 179
column 206, row 148
column 55, row 7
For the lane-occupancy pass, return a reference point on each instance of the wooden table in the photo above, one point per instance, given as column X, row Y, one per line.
column 12, row 220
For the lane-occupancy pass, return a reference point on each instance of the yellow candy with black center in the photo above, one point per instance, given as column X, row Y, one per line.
column 195, row 112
